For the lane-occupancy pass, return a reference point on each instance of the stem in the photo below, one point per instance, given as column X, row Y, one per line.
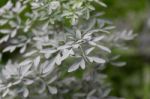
column 83, row 54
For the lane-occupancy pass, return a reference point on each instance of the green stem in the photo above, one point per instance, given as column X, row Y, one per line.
column 83, row 54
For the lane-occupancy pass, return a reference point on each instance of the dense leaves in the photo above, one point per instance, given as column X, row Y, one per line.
column 45, row 35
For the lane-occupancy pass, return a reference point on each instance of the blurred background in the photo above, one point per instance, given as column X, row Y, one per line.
column 133, row 80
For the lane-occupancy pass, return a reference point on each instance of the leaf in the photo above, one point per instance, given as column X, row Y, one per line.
column 37, row 61
column 28, row 82
column 30, row 53
column 48, row 51
column 52, row 79
column 3, row 22
column 91, row 93
column 4, row 39
column 87, row 14
column 92, row 43
column 58, row 59
column 71, row 52
column 66, row 14
column 9, row 48
column 104, row 48
column 42, row 87
column 25, row 92
column 63, row 47
column 5, row 92
column 5, row 31
column 65, row 54
column 25, row 69
column 82, row 64
column 96, row 59
column 52, row 90
column 74, row 67
column 101, row 3
column 0, row 56
column 115, row 57
column 78, row 34
column 75, row 45
column 109, row 27
column 88, row 51
column 119, row 64
column 95, row 31
column 22, row 50
column 48, row 67
column 106, row 92
column 48, row 55
column 25, row 62
column 14, row 32
column 98, row 38
column 8, row 5
column 91, row 7
column 17, row 82
column 90, row 25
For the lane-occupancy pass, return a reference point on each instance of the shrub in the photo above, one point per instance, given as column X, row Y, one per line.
column 55, row 49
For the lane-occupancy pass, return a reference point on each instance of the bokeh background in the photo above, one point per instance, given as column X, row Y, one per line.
column 133, row 80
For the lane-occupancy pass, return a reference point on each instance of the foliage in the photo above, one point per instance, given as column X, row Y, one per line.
column 57, row 49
